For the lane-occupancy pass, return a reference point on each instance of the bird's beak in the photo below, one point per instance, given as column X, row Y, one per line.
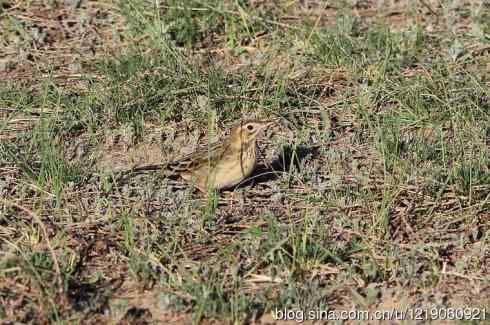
column 268, row 124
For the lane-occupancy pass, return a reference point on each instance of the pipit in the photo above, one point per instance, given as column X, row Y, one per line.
column 222, row 164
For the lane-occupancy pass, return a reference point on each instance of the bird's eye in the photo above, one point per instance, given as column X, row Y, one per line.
column 250, row 127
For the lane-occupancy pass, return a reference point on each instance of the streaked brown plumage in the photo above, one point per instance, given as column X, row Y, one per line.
column 223, row 164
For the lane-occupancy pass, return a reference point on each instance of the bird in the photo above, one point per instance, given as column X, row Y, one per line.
column 223, row 164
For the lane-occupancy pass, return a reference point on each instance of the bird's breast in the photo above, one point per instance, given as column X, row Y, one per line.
column 234, row 169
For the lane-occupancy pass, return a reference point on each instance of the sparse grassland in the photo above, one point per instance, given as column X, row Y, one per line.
column 373, row 194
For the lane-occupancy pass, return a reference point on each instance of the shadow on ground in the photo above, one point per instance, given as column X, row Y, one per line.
column 289, row 159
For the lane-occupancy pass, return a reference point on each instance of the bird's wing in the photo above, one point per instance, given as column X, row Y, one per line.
column 204, row 156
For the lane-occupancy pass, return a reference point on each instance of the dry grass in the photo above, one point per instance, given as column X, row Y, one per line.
column 373, row 195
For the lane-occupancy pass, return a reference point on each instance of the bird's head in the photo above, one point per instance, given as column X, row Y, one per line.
column 246, row 132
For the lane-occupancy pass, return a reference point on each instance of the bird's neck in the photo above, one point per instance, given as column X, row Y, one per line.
column 242, row 145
